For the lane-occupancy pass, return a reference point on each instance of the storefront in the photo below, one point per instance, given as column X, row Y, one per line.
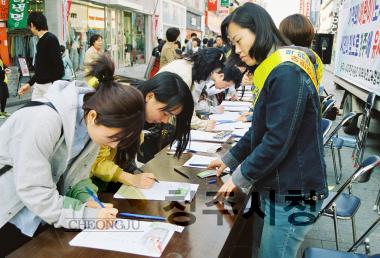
column 19, row 41
column 173, row 15
column 193, row 24
column 85, row 20
column 17, row 44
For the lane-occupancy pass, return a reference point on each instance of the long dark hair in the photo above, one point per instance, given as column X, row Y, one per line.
column 117, row 106
column 170, row 89
column 205, row 61
column 256, row 19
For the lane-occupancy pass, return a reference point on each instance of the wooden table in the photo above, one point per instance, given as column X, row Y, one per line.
column 212, row 234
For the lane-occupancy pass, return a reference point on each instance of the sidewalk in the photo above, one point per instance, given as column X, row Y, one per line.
column 136, row 71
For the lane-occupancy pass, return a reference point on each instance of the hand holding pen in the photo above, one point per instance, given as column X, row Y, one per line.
column 107, row 214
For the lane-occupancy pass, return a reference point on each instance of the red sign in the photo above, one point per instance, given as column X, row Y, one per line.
column 212, row 5
column 4, row 10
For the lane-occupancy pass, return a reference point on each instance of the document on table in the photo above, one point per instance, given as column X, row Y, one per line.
column 240, row 132
column 197, row 135
column 200, row 146
column 162, row 191
column 236, row 103
column 226, row 116
column 236, row 108
column 231, row 126
column 199, row 161
column 128, row 236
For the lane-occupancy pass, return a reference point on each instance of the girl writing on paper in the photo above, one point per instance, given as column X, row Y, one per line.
column 45, row 160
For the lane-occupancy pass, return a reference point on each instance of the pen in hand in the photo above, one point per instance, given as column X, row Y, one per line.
column 93, row 196
column 140, row 170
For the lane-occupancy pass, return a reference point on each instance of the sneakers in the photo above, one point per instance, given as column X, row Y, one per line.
column 4, row 115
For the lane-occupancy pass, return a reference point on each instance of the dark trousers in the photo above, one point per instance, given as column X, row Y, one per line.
column 4, row 94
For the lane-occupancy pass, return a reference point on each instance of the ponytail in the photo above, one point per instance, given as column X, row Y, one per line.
column 117, row 105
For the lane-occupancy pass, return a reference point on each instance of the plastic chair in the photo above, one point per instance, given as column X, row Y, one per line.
column 333, row 142
column 341, row 205
column 361, row 138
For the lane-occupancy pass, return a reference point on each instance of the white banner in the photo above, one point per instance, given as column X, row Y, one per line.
column 357, row 57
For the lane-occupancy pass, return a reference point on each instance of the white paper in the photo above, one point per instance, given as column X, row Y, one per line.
column 231, row 126
column 236, row 104
column 164, row 190
column 236, row 108
column 240, row 132
column 200, row 146
column 225, row 116
column 197, row 135
column 203, row 161
column 129, row 236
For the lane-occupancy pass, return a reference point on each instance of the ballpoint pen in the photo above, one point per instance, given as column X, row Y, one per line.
column 93, row 196
column 181, row 173
column 140, row 170
column 198, row 165
column 140, row 216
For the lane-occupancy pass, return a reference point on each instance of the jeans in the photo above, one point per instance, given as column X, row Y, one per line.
column 281, row 238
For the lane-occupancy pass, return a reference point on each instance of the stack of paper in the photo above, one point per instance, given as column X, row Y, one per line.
column 236, row 104
column 240, row 132
column 200, row 146
column 231, row 126
column 198, row 161
column 236, row 108
column 129, row 236
column 162, row 191
column 226, row 116
column 197, row 135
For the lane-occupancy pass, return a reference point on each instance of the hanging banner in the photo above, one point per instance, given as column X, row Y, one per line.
column 18, row 14
column 4, row 9
column 212, row 5
column 357, row 57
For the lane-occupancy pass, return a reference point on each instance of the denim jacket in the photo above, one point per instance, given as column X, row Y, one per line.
column 283, row 150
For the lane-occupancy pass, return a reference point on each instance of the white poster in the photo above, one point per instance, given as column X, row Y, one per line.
column 357, row 57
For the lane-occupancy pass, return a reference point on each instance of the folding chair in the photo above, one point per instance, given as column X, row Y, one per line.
column 327, row 105
column 361, row 138
column 319, row 252
column 333, row 142
column 341, row 205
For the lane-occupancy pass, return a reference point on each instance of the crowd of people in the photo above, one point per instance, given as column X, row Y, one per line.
column 78, row 134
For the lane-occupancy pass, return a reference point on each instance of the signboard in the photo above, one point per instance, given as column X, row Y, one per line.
column 305, row 6
column 225, row 3
column 23, row 67
column 212, row 5
column 357, row 57
column 4, row 9
column 18, row 14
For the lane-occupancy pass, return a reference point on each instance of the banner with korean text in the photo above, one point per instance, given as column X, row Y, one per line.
column 357, row 54
column 18, row 14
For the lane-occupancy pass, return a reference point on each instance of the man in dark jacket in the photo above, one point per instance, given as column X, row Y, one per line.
column 48, row 62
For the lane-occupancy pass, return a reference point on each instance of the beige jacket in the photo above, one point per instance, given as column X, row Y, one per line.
column 167, row 54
